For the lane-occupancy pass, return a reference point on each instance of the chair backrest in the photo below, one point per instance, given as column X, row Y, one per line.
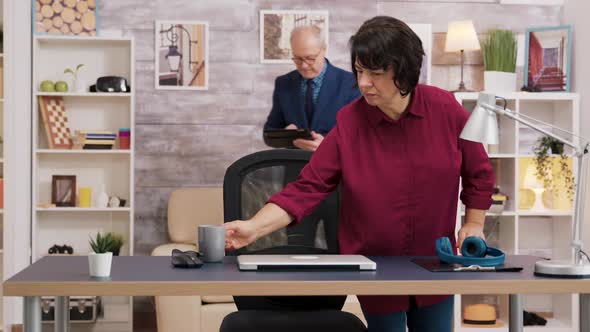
column 191, row 207
column 248, row 184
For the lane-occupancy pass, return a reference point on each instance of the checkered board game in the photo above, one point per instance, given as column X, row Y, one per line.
column 55, row 121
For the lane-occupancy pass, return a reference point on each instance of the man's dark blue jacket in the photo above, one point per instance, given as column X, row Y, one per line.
column 337, row 90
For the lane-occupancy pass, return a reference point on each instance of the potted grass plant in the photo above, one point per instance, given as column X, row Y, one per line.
column 499, row 52
column 101, row 257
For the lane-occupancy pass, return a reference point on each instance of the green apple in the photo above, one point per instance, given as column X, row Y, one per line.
column 47, row 86
column 61, row 86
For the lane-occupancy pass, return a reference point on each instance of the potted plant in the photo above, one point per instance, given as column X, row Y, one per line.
column 79, row 85
column 100, row 259
column 499, row 54
column 544, row 149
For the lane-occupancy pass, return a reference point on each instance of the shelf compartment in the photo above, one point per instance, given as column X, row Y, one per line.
column 57, row 228
column 504, row 169
column 100, row 56
column 551, row 239
column 556, row 308
column 84, row 94
column 499, row 302
column 78, row 209
column 500, row 232
column 507, row 130
column 111, row 170
column 555, row 203
column 78, row 151
column 91, row 113
column 557, row 112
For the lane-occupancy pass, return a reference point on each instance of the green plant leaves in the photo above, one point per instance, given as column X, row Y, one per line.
column 544, row 166
column 108, row 242
column 499, row 51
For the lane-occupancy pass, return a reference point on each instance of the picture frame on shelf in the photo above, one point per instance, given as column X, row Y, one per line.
column 548, row 59
column 182, row 55
column 276, row 27
column 63, row 190
column 65, row 17
column 424, row 32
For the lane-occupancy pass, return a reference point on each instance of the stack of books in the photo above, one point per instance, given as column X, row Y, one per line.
column 94, row 140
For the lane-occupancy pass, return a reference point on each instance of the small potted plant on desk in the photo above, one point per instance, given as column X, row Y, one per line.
column 99, row 261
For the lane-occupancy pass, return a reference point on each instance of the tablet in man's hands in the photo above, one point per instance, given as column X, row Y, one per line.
column 283, row 138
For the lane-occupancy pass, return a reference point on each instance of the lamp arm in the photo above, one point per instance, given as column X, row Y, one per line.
column 513, row 116
column 580, row 152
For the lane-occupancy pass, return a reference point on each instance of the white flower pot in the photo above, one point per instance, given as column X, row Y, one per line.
column 498, row 81
column 81, row 86
column 100, row 264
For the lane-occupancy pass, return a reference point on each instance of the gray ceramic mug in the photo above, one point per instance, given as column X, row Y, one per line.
column 211, row 243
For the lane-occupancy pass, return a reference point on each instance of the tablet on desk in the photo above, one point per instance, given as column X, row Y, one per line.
column 283, row 138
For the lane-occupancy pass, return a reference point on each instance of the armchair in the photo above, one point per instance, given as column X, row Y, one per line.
column 188, row 208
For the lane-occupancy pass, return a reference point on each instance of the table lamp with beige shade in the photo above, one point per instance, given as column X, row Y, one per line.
column 461, row 37
column 532, row 182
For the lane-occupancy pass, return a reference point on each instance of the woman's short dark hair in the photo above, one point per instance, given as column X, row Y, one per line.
column 384, row 42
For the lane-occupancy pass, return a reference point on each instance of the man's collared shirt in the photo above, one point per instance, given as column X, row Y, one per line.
column 316, row 83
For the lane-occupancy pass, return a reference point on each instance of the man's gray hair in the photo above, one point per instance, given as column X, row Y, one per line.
column 317, row 33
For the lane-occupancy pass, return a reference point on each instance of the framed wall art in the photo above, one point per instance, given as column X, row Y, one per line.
column 276, row 27
column 548, row 59
column 182, row 55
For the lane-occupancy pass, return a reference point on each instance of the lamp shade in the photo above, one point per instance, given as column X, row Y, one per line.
column 482, row 125
column 461, row 36
column 531, row 180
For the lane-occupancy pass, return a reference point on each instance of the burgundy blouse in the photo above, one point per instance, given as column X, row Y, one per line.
column 399, row 181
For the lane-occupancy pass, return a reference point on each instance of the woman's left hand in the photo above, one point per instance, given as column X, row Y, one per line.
column 470, row 229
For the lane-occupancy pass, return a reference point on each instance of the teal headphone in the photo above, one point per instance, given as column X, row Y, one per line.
column 474, row 251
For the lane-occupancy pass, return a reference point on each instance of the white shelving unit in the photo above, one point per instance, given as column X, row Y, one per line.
column 111, row 169
column 518, row 230
column 2, row 131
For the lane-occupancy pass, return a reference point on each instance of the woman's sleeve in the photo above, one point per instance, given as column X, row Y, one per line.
column 318, row 178
column 477, row 174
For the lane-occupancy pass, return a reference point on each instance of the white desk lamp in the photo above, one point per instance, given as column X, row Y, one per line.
column 532, row 182
column 482, row 127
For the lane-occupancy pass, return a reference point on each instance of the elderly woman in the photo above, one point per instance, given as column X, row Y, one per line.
column 397, row 155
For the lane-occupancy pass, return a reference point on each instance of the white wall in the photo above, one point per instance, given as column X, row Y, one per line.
column 17, row 145
column 575, row 12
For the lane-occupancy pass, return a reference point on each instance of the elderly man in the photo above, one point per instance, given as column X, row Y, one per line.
column 310, row 96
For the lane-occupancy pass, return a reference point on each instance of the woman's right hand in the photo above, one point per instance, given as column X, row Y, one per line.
column 239, row 233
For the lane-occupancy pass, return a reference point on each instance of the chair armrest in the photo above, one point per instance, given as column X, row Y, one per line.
column 177, row 313
column 166, row 249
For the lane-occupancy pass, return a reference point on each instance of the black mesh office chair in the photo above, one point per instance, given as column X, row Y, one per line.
column 247, row 185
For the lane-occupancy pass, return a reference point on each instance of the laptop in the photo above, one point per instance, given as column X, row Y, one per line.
column 305, row 262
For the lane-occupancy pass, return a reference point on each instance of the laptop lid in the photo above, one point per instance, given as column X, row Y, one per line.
column 305, row 262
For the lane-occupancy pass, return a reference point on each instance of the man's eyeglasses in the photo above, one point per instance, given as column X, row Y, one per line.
column 307, row 59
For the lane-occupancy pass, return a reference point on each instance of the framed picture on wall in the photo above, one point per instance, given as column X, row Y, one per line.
column 63, row 190
column 182, row 55
column 424, row 31
column 276, row 27
column 65, row 17
column 548, row 59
